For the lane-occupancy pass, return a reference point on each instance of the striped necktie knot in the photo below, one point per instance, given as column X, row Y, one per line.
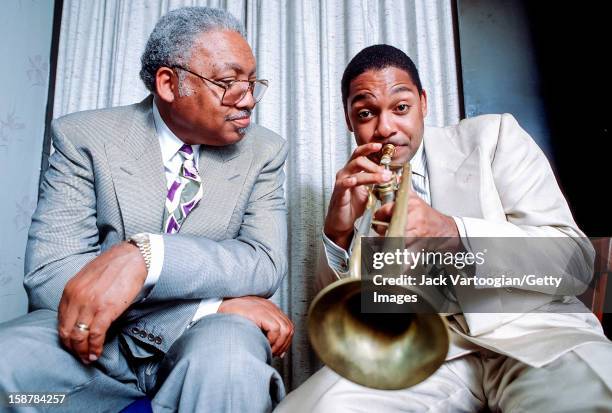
column 186, row 151
column 188, row 168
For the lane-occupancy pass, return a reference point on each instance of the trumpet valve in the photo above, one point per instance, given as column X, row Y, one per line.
column 386, row 191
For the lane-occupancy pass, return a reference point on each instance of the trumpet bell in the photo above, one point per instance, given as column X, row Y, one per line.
column 389, row 351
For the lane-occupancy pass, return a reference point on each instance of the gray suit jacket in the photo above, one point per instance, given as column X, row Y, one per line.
column 106, row 182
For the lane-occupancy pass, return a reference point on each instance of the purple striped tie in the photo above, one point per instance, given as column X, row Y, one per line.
column 184, row 193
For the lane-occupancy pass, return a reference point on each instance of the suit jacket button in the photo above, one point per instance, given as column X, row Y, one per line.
column 151, row 337
column 158, row 340
column 135, row 330
column 143, row 334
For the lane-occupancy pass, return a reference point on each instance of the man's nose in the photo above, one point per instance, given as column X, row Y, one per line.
column 247, row 101
column 385, row 127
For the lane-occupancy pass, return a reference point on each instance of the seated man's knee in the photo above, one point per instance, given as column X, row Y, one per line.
column 335, row 402
column 33, row 329
column 220, row 339
column 25, row 343
column 225, row 359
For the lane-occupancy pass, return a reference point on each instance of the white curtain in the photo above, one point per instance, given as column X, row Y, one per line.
column 302, row 47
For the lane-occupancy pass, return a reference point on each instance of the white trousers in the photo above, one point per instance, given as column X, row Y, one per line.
column 472, row 383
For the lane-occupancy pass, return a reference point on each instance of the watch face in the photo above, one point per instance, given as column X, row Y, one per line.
column 138, row 238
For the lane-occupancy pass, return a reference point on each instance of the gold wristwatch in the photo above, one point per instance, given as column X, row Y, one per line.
column 143, row 242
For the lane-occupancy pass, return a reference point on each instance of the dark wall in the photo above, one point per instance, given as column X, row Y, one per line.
column 549, row 65
column 499, row 66
column 572, row 50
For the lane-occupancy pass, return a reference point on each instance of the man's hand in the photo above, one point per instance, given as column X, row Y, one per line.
column 350, row 194
column 423, row 222
column 267, row 316
column 96, row 296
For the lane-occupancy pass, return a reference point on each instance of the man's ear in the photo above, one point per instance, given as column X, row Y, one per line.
column 348, row 120
column 424, row 102
column 166, row 84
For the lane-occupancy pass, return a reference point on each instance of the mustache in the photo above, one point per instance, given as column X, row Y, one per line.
column 240, row 115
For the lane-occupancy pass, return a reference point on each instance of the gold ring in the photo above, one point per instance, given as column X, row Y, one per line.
column 82, row 327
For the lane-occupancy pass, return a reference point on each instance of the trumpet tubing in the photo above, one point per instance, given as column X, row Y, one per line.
column 383, row 351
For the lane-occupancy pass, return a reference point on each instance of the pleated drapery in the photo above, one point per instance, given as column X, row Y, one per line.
column 302, row 48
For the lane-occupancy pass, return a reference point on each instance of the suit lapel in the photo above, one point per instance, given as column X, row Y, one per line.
column 138, row 172
column 452, row 175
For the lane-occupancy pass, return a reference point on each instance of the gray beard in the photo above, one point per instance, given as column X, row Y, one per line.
column 243, row 131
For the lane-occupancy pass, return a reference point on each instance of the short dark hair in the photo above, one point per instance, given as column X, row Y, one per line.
column 378, row 57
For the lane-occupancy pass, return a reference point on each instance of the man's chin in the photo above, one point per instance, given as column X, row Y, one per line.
column 235, row 136
column 403, row 154
column 243, row 131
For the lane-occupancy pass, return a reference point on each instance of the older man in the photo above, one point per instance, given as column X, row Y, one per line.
column 160, row 232
column 512, row 349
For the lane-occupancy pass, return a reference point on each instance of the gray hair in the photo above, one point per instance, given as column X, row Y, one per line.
column 171, row 42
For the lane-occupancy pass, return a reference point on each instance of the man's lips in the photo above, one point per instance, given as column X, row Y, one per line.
column 241, row 119
column 396, row 142
column 242, row 122
column 399, row 150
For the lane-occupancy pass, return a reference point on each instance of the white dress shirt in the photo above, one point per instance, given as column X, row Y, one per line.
column 170, row 145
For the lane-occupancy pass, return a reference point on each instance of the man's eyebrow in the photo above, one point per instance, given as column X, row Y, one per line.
column 232, row 66
column 401, row 88
column 361, row 96
column 367, row 95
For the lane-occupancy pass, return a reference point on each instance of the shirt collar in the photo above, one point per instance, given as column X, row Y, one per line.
column 168, row 141
column 418, row 162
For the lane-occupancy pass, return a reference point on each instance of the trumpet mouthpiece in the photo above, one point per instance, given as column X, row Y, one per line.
column 387, row 154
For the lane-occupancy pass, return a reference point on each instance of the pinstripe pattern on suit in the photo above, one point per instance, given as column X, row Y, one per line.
column 106, row 182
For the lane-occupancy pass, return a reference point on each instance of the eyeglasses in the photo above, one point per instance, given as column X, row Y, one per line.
column 235, row 90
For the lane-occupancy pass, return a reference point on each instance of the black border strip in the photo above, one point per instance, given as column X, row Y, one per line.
column 55, row 37
column 458, row 64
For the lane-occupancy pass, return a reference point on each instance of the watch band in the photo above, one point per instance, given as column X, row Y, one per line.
column 143, row 242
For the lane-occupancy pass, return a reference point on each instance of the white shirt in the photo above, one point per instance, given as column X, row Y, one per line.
column 170, row 145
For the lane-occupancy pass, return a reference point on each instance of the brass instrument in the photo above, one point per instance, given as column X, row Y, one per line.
column 383, row 351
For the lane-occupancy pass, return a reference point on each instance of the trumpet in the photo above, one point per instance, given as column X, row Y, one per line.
column 387, row 351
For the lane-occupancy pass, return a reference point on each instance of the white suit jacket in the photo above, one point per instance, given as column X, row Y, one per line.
column 489, row 171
